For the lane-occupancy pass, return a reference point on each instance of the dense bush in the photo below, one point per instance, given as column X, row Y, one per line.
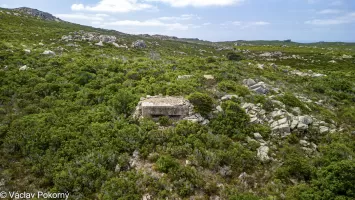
column 203, row 103
column 233, row 56
column 233, row 121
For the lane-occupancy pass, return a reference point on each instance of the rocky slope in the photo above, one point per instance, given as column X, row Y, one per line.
column 37, row 13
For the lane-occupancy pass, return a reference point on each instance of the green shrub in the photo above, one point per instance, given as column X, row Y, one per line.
column 227, row 86
column 290, row 100
column 166, row 164
column 232, row 122
column 241, row 90
column 164, row 121
column 203, row 103
column 211, row 60
column 233, row 56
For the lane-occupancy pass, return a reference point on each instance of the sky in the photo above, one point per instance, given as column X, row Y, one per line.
column 213, row 20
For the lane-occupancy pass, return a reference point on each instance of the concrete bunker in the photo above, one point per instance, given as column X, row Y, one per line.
column 172, row 107
column 176, row 108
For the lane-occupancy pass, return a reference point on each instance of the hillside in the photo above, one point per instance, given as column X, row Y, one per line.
column 267, row 119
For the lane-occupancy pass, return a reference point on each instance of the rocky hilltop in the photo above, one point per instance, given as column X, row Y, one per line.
column 37, row 13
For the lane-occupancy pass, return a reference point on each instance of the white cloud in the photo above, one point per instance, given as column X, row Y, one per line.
column 81, row 16
column 96, row 23
column 206, row 24
column 329, row 11
column 102, row 15
column 120, row 6
column 148, row 23
column 237, row 23
column 4, row 6
column 244, row 25
column 198, row 3
column 182, row 17
column 326, row 22
column 260, row 23
column 346, row 19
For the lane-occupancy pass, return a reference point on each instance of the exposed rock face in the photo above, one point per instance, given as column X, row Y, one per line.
column 37, row 13
column 89, row 36
column 139, row 44
column 107, row 38
column 99, row 44
column 229, row 97
column 176, row 108
column 119, row 46
column 309, row 73
column 271, row 54
column 259, row 87
column 263, row 153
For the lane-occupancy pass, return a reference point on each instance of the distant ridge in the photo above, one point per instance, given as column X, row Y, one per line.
column 37, row 13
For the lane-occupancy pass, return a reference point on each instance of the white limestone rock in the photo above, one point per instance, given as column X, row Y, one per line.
column 48, row 52
column 262, row 153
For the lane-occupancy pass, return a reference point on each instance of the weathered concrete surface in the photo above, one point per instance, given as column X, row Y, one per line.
column 165, row 106
column 176, row 108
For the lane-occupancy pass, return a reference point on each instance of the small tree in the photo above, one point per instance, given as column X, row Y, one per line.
column 233, row 56
column 202, row 102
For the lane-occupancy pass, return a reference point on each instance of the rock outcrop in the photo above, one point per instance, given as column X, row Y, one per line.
column 37, row 13
column 259, row 87
column 89, row 36
column 140, row 44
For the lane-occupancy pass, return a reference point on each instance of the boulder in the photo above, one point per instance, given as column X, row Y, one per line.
column 119, row 46
column 301, row 126
column 249, row 82
column 296, row 110
column 48, row 52
column 27, row 51
column 24, row 68
column 306, row 119
column 147, row 197
column 107, row 38
column 282, row 121
column 101, row 44
column 304, row 143
column 225, row 171
column 261, row 66
column 209, row 79
column 229, row 97
column 258, row 136
column 184, row 77
column 263, row 153
column 323, row 129
column 139, row 44
column 284, row 128
column 294, row 123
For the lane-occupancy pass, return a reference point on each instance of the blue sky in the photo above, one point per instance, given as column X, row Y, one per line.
column 214, row 20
